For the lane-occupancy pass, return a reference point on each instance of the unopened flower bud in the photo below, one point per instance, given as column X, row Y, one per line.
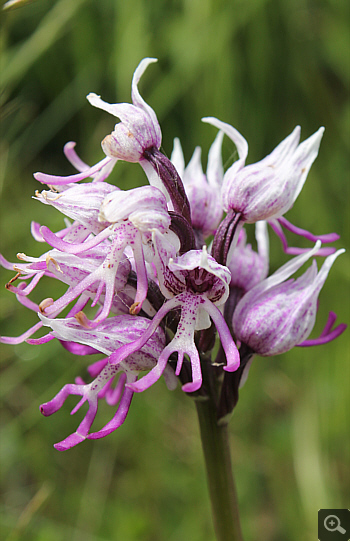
column 138, row 130
column 267, row 189
column 277, row 315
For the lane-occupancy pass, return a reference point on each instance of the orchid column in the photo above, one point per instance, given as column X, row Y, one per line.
column 158, row 278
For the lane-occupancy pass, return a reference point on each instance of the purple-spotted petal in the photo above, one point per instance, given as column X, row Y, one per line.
column 202, row 274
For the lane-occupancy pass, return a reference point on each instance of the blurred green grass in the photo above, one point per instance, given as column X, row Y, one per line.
column 264, row 66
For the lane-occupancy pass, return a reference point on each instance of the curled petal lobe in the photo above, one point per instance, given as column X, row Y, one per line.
column 140, row 102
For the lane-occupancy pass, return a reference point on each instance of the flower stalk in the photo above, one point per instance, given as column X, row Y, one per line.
column 217, row 456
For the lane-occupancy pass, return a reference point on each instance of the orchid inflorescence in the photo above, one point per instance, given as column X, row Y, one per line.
column 167, row 277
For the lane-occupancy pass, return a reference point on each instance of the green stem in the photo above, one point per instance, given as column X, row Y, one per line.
column 215, row 443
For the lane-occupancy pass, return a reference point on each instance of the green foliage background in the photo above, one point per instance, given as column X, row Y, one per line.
column 263, row 66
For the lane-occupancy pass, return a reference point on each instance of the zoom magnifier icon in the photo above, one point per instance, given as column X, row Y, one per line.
column 332, row 524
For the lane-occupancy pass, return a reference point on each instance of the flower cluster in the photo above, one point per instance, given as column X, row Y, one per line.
column 163, row 274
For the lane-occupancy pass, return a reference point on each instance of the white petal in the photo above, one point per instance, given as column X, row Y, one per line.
column 177, row 157
column 215, row 170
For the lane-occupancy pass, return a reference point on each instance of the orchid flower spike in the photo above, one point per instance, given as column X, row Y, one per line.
column 161, row 296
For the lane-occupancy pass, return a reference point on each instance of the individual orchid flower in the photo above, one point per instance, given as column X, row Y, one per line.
column 110, row 335
column 137, row 132
column 278, row 314
column 196, row 284
column 265, row 190
column 133, row 216
column 203, row 191
column 274, row 316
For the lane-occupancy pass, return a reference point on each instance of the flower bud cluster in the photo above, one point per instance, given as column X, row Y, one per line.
column 163, row 274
